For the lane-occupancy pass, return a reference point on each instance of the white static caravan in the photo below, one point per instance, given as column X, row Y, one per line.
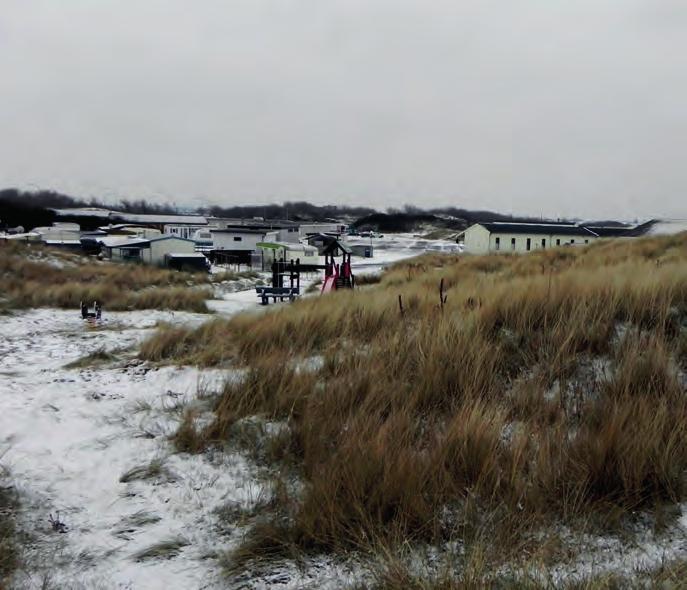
column 60, row 234
column 482, row 238
column 284, row 235
column 272, row 251
column 237, row 239
column 184, row 231
column 203, row 239
column 279, row 230
column 128, row 229
column 147, row 251
column 309, row 229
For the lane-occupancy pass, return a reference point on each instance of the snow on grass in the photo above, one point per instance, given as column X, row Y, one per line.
column 70, row 435
column 234, row 302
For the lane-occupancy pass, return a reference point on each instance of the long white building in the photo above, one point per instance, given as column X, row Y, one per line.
column 502, row 236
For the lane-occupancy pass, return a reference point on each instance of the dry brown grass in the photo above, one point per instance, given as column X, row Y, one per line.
column 9, row 543
column 40, row 277
column 544, row 389
column 566, row 295
column 476, row 576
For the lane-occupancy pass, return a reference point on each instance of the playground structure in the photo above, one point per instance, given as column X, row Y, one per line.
column 336, row 276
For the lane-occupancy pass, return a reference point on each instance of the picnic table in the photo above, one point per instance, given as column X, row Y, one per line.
column 275, row 293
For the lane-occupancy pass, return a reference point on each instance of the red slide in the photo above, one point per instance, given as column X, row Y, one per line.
column 328, row 284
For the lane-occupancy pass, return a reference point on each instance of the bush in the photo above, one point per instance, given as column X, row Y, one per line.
column 38, row 277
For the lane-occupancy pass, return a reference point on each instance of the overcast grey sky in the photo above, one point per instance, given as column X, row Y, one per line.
column 559, row 107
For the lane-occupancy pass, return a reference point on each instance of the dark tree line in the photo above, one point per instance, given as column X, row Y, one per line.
column 296, row 211
column 33, row 209
column 18, row 208
column 410, row 217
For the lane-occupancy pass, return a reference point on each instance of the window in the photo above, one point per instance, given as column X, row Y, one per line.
column 543, row 243
column 238, row 238
column 586, row 241
column 558, row 242
column 131, row 253
column 529, row 244
column 572, row 241
column 512, row 243
column 498, row 243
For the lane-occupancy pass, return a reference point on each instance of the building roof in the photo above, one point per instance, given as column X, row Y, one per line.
column 164, row 219
column 116, row 226
column 331, row 245
column 126, row 242
column 255, row 223
column 24, row 236
column 187, row 255
column 270, row 245
column 239, row 230
column 544, row 229
column 285, row 245
column 123, row 242
column 610, row 231
column 84, row 212
column 132, row 217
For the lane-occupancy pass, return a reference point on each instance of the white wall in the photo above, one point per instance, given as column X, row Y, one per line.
column 59, row 234
column 183, row 231
column 224, row 240
column 537, row 241
column 146, row 232
column 321, row 228
column 155, row 254
column 290, row 235
column 306, row 254
column 478, row 240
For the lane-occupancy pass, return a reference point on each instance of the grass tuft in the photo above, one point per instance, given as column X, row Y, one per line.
column 99, row 357
column 163, row 550
column 154, row 470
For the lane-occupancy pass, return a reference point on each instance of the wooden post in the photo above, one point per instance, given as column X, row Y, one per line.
column 275, row 273
column 442, row 297
column 298, row 275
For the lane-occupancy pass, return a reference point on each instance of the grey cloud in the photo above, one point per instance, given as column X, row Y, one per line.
column 559, row 108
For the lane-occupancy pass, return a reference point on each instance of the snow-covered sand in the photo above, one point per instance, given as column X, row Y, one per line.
column 69, row 434
column 668, row 227
column 396, row 247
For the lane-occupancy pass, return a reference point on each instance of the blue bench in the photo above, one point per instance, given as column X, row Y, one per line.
column 275, row 293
